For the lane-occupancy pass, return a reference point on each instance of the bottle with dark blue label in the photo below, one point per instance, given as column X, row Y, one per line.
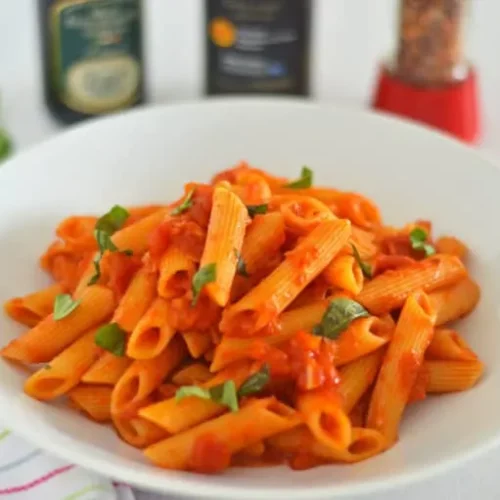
column 258, row 46
column 92, row 54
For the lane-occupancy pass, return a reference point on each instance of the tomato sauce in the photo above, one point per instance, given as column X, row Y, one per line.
column 209, row 455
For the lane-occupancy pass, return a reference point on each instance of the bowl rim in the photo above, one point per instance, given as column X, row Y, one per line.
column 178, row 485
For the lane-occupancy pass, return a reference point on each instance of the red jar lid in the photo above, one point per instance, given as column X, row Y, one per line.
column 453, row 108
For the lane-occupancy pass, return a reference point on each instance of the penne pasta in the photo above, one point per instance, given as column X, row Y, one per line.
column 231, row 349
column 451, row 246
column 196, row 373
column 65, row 370
column 455, row 301
column 357, row 377
column 254, row 320
column 106, row 370
column 323, row 413
column 389, row 290
column 176, row 273
column 142, row 377
column 226, row 231
column 177, row 416
column 400, row 365
column 363, row 336
column 133, row 238
column 365, row 443
column 344, row 273
column 93, row 400
column 256, row 421
column 152, row 333
column 49, row 337
column 32, row 308
column 447, row 344
column 303, row 214
column 271, row 296
column 198, row 343
column 452, row 376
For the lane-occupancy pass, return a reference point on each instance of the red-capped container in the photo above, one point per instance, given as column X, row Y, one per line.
column 430, row 79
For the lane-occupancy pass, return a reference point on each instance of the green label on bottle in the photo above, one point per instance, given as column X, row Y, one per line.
column 97, row 64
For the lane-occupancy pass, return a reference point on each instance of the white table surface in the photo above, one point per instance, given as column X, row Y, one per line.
column 350, row 37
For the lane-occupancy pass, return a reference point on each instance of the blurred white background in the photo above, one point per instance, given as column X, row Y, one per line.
column 350, row 37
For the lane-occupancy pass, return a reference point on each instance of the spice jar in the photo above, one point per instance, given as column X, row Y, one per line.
column 429, row 78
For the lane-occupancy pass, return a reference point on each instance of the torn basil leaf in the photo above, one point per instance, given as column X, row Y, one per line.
column 340, row 313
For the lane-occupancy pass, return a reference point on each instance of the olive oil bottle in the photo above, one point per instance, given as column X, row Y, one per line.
column 257, row 46
column 92, row 56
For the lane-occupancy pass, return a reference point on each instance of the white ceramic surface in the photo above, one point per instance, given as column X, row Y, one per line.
column 146, row 156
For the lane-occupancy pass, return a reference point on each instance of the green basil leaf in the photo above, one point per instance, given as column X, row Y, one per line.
column 241, row 267
column 224, row 394
column 104, row 241
column 418, row 240
column 112, row 338
column 206, row 274
column 47, row 367
column 5, row 145
column 64, row 305
column 97, row 269
column 113, row 220
column 305, row 181
column 338, row 316
column 104, row 229
column 256, row 382
column 366, row 269
column 253, row 210
column 185, row 205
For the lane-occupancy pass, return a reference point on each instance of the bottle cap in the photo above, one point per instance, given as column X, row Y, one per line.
column 452, row 108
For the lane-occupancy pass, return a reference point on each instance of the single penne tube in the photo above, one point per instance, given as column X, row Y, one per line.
column 193, row 374
column 254, row 422
column 360, row 210
column 77, row 232
column 225, row 234
column 152, row 333
column 325, row 417
column 50, row 337
column 365, row 443
column 92, row 400
column 232, row 349
column 344, row 273
column 447, row 344
column 400, row 365
column 134, row 238
column 107, row 369
column 452, row 376
column 251, row 188
column 451, row 246
column 455, row 301
column 263, row 239
column 136, row 300
column 389, row 290
column 142, row 377
column 273, row 294
column 176, row 273
column 136, row 431
column 32, row 308
column 357, row 377
column 303, row 213
column 65, row 370
column 198, row 343
column 363, row 336
column 177, row 416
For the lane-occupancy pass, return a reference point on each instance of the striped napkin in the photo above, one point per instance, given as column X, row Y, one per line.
column 27, row 473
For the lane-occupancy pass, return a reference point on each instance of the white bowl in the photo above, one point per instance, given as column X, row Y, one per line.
column 146, row 156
